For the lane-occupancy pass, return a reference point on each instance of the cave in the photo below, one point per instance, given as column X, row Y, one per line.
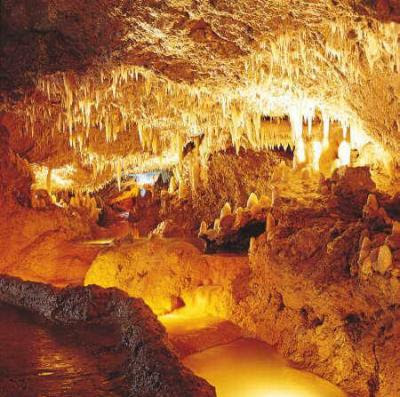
column 199, row 198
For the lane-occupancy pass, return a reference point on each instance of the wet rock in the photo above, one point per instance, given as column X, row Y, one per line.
column 152, row 369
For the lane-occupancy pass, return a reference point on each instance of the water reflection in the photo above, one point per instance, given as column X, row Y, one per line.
column 249, row 368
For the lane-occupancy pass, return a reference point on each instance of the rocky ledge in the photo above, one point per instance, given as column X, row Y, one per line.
column 151, row 368
column 324, row 285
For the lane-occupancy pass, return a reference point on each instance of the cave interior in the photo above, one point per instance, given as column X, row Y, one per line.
column 199, row 198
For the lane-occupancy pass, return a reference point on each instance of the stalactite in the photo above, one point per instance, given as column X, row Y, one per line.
column 344, row 153
column 48, row 180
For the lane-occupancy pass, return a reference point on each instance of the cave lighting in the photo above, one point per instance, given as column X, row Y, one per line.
column 251, row 368
column 344, row 153
column 317, row 150
column 148, row 178
column 60, row 177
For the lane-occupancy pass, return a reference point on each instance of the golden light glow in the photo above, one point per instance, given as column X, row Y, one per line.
column 251, row 368
column 60, row 177
column 317, row 150
column 284, row 76
column 344, row 153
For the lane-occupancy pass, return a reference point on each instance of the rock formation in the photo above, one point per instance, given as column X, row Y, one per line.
column 151, row 368
column 135, row 135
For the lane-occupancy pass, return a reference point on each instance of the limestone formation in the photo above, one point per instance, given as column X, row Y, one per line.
column 252, row 201
column 135, row 135
column 384, row 261
column 226, row 210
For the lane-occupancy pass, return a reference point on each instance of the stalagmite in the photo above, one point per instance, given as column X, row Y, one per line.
column 366, row 268
column 226, row 210
column 252, row 201
column 203, row 228
column 384, row 261
column 241, row 216
column 217, row 225
column 252, row 244
column 372, row 202
column 365, row 249
column 371, row 207
column 274, row 195
column 182, row 191
column 172, row 185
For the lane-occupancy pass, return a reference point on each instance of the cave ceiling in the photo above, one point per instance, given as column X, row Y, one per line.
column 110, row 86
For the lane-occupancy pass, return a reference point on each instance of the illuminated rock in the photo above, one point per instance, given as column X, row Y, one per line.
column 396, row 228
column 252, row 201
column 203, row 228
column 172, row 185
column 366, row 268
column 217, row 225
column 265, row 202
column 226, row 210
column 365, row 249
column 384, row 261
column 372, row 203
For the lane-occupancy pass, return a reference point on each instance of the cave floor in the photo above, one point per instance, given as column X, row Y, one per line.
column 236, row 365
column 247, row 367
column 39, row 360
column 51, row 361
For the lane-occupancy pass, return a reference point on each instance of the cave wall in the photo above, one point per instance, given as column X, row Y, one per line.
column 227, row 177
column 15, row 175
column 32, row 239
column 310, row 295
